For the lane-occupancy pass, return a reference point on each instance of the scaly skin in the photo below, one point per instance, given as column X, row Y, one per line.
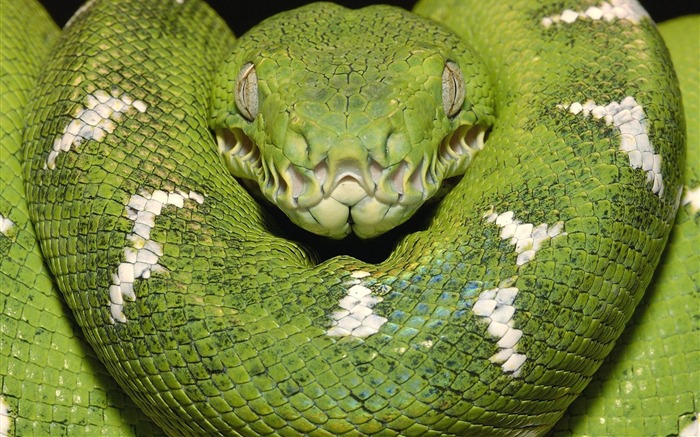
column 51, row 383
column 214, row 323
column 650, row 383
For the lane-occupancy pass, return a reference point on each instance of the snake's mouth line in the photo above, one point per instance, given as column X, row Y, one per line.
column 350, row 194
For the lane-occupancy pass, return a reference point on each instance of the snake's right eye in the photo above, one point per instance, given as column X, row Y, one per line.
column 247, row 91
column 452, row 89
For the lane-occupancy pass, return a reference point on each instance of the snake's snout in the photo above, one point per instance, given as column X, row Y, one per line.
column 347, row 179
column 337, row 198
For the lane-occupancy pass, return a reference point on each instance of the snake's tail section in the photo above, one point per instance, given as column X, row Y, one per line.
column 650, row 384
column 51, row 383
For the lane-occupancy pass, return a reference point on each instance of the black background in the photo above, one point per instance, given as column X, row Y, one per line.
column 243, row 14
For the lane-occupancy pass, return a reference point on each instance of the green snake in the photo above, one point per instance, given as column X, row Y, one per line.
column 510, row 176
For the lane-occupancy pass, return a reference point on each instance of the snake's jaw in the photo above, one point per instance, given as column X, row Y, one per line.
column 348, row 198
column 349, row 191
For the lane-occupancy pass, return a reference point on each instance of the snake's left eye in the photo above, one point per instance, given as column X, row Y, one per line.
column 247, row 91
column 452, row 89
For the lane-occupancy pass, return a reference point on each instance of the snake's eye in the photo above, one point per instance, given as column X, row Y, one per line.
column 247, row 91
column 452, row 89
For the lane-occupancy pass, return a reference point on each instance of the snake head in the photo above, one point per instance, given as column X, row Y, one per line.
column 349, row 120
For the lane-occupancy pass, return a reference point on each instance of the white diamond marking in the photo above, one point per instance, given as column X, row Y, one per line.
column 692, row 197
column 94, row 121
column 141, row 259
column 356, row 317
column 5, row 418
column 6, row 225
column 495, row 306
column 629, row 118
column 526, row 237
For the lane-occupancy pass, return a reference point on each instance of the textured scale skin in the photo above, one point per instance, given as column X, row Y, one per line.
column 50, row 379
column 230, row 336
column 649, row 383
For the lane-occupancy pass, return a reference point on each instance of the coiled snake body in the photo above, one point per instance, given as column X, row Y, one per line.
column 553, row 136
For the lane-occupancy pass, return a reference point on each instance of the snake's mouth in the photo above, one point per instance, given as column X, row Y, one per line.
column 334, row 199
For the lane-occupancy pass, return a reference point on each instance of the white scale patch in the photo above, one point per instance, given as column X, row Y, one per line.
column 99, row 117
column 495, row 305
column 5, row 418
column 141, row 259
column 526, row 237
column 629, row 10
column 6, row 225
column 628, row 117
column 356, row 318
column 693, row 429
column 692, row 198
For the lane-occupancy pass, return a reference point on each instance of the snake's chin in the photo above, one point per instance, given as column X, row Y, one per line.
column 350, row 209
column 335, row 199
